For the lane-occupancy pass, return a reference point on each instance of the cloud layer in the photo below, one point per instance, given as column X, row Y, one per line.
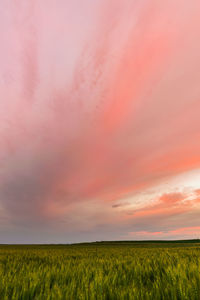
column 99, row 103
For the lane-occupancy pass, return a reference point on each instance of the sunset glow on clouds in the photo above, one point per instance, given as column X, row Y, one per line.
column 99, row 120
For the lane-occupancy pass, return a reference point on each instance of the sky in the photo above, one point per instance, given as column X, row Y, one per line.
column 99, row 120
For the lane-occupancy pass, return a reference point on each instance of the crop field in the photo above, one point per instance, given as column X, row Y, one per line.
column 107, row 270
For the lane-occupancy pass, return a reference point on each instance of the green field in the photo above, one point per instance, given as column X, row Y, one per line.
column 112, row 270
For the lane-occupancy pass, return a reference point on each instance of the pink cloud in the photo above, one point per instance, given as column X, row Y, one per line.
column 98, row 101
column 168, row 204
column 184, row 232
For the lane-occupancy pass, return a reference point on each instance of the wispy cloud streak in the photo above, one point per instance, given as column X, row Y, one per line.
column 98, row 101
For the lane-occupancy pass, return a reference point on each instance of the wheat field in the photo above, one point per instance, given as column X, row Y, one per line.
column 107, row 270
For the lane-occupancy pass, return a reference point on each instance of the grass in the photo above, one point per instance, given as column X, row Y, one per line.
column 115, row 270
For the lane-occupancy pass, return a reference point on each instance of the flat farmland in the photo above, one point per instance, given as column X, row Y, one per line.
column 104, row 270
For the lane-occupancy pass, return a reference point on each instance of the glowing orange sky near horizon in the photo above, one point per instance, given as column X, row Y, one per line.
column 99, row 120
